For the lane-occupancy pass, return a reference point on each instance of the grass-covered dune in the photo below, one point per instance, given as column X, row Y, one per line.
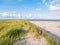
column 13, row 30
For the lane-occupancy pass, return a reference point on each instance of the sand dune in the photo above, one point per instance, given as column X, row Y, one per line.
column 31, row 41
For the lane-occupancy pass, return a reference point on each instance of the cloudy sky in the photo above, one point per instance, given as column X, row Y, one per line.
column 30, row 9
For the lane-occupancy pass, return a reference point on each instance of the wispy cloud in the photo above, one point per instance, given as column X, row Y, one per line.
column 15, row 15
column 30, row 15
column 52, row 7
column 55, row 1
column 4, row 14
column 43, row 1
column 10, row 15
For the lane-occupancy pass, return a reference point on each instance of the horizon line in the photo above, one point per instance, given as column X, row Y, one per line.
column 34, row 19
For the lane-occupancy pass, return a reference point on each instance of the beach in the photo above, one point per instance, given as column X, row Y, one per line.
column 52, row 28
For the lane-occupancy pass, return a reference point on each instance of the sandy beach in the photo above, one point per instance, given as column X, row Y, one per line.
column 52, row 28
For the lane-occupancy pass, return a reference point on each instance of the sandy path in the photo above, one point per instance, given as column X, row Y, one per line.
column 52, row 28
column 30, row 41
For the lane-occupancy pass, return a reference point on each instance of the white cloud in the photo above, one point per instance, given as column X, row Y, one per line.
column 52, row 7
column 15, row 15
column 10, row 15
column 30, row 15
column 4, row 14
column 55, row 2
column 19, row 16
column 33, row 16
column 52, row 4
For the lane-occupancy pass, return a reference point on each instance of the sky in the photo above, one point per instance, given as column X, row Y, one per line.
column 30, row 9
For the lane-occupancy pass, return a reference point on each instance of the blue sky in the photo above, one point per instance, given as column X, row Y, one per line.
column 29, row 9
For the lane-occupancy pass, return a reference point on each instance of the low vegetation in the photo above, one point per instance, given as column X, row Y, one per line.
column 58, row 26
column 14, row 30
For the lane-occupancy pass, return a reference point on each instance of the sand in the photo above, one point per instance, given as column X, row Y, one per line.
column 31, row 41
column 52, row 28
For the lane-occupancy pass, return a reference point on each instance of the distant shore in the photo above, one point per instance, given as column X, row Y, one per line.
column 34, row 19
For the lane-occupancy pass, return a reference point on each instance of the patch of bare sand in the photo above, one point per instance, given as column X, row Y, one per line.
column 29, row 40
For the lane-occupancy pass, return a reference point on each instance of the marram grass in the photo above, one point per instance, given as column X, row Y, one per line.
column 13, row 30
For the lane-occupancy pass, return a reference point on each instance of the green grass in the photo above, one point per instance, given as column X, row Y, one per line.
column 11, row 37
column 50, row 40
column 14, row 30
